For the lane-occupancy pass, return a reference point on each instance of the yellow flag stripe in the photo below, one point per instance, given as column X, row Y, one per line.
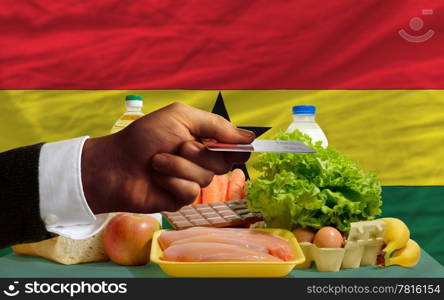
column 398, row 133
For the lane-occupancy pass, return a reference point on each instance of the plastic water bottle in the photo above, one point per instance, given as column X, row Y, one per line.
column 304, row 121
column 134, row 104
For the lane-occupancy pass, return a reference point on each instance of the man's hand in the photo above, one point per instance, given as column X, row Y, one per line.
column 157, row 163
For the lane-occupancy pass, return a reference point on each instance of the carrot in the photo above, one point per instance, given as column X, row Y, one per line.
column 244, row 191
column 236, row 187
column 224, row 186
column 198, row 198
column 216, row 191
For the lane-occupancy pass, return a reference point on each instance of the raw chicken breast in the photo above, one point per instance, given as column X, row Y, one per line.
column 168, row 237
column 220, row 239
column 251, row 239
column 195, row 252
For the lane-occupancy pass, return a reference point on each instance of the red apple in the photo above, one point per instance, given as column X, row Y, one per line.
column 127, row 238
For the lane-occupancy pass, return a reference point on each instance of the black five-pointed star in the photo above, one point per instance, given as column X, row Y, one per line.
column 220, row 109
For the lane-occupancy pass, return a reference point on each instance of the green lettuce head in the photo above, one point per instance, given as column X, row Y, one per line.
column 313, row 190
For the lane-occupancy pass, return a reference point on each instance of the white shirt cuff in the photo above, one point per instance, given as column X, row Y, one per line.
column 63, row 206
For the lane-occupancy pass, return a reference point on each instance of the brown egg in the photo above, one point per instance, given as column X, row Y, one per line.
column 303, row 235
column 328, row 237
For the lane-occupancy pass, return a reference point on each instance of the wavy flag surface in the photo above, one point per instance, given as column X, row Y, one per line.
column 374, row 70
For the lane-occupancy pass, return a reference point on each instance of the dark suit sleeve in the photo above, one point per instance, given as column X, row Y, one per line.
column 20, row 220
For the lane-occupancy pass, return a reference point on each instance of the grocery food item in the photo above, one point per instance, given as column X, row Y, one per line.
column 256, row 240
column 65, row 250
column 236, row 185
column 224, row 187
column 127, row 238
column 276, row 268
column 312, row 190
column 408, row 256
column 303, row 235
column 361, row 247
column 133, row 112
column 399, row 248
column 222, row 214
column 221, row 239
column 396, row 236
column 198, row 252
column 170, row 236
column 216, row 191
column 328, row 237
column 304, row 121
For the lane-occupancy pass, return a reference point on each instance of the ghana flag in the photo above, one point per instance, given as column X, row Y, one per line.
column 374, row 70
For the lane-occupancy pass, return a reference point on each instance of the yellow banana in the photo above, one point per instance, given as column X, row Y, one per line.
column 396, row 236
column 407, row 256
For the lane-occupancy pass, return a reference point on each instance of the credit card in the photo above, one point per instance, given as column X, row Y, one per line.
column 276, row 146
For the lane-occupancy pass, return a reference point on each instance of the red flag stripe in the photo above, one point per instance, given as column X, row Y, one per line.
column 342, row 44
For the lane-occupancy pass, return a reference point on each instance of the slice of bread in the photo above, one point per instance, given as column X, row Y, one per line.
column 65, row 250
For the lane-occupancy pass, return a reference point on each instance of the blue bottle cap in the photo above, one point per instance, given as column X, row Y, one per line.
column 304, row 110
